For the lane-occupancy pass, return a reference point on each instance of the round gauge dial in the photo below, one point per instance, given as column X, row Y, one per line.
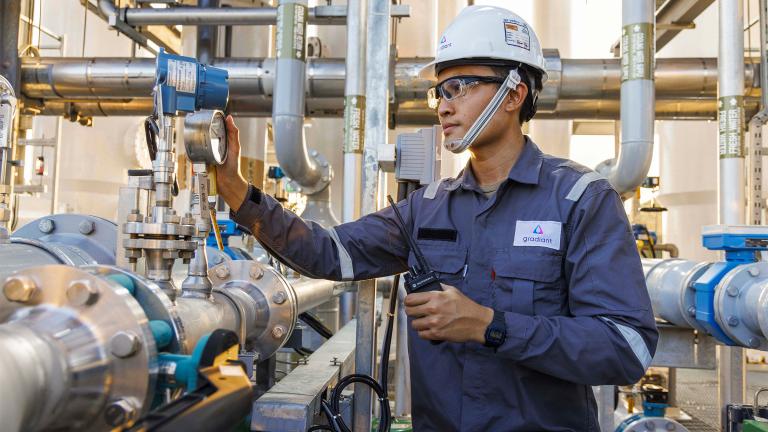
column 218, row 137
column 205, row 137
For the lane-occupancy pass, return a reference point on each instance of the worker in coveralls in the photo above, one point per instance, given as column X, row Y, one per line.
column 543, row 291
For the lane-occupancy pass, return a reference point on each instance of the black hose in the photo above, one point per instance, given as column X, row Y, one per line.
column 331, row 410
column 316, row 325
column 384, row 373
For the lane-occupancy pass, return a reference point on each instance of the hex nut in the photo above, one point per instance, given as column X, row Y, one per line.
column 222, row 272
column 692, row 311
column 19, row 288
column 256, row 272
column 754, row 271
column 279, row 297
column 119, row 412
column 124, row 344
column 278, row 332
column 754, row 342
column 46, row 226
column 82, row 293
column 86, row 227
column 733, row 321
column 732, row 290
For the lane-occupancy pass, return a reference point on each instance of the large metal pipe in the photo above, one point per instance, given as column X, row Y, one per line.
column 354, row 129
column 630, row 167
column 33, row 379
column 207, row 35
column 288, row 101
column 732, row 204
column 377, row 83
column 319, row 15
column 731, row 112
column 407, row 113
column 114, row 78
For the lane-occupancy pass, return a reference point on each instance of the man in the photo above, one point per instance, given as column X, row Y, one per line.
column 543, row 291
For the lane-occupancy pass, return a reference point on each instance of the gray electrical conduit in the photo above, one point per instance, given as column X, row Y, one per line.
column 628, row 170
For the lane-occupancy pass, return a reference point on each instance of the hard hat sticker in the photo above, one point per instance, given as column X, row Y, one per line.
column 516, row 33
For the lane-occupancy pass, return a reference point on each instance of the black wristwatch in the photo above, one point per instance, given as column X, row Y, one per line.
column 496, row 333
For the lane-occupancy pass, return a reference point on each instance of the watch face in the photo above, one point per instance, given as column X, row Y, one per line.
column 218, row 138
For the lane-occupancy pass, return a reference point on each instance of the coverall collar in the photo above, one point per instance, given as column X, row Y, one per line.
column 526, row 170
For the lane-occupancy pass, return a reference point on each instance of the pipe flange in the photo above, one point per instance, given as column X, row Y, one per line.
column 276, row 304
column 688, row 296
column 158, row 229
column 736, row 304
column 326, row 175
column 152, row 299
column 88, row 333
column 93, row 235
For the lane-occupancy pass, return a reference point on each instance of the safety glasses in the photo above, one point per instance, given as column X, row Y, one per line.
column 456, row 87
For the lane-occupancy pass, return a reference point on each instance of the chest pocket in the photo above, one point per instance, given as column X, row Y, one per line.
column 448, row 262
column 529, row 284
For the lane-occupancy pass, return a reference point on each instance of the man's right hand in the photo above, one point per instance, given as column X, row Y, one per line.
column 230, row 183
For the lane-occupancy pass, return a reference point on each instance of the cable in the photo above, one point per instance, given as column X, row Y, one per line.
column 331, row 407
column 316, row 325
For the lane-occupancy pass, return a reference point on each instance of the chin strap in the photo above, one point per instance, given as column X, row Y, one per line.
column 461, row 144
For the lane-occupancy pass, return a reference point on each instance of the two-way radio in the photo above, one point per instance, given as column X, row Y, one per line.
column 420, row 277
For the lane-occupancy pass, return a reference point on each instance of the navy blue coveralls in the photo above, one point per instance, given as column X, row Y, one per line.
column 552, row 249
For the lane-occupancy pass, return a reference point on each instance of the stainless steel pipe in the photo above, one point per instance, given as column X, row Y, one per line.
column 408, row 113
column 33, row 379
column 319, row 15
column 596, row 79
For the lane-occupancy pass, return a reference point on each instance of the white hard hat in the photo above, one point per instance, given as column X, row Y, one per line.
column 482, row 33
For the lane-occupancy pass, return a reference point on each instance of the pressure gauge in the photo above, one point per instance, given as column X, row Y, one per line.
column 205, row 137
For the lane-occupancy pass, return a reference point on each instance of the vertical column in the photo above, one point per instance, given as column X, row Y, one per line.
column 377, row 78
column 354, row 126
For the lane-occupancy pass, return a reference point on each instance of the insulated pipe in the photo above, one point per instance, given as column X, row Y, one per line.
column 731, row 112
column 407, row 113
column 114, row 78
column 288, row 100
column 628, row 170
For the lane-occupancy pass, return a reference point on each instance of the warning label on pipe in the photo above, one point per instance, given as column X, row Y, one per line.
column 182, row 75
column 637, row 48
column 354, row 124
column 290, row 44
column 730, row 114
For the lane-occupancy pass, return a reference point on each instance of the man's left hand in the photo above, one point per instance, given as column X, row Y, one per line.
column 448, row 315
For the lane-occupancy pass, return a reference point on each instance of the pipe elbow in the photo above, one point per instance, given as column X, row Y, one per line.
column 291, row 150
column 108, row 7
column 627, row 172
